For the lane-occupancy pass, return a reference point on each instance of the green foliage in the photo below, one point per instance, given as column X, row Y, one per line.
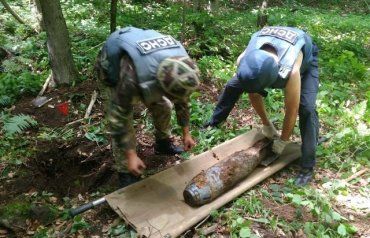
column 97, row 134
column 121, row 231
column 240, row 227
column 14, row 151
column 14, row 84
column 330, row 223
column 215, row 70
column 200, row 113
column 42, row 232
column 367, row 113
column 79, row 223
column 5, row 101
column 17, row 124
column 63, row 134
column 346, row 67
column 117, row 230
column 327, row 222
column 251, row 204
column 16, row 209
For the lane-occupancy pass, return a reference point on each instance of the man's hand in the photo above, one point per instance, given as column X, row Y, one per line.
column 279, row 145
column 188, row 142
column 134, row 164
column 269, row 131
column 187, row 139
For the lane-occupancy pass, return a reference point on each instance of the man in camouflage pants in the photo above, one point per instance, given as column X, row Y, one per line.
column 144, row 65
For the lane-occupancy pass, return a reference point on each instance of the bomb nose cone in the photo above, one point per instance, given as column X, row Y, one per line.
column 190, row 197
column 195, row 196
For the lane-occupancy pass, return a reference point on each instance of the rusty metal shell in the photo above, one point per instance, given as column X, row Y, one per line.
column 211, row 183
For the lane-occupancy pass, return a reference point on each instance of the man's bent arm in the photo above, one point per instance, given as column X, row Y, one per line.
column 292, row 99
column 183, row 117
column 182, row 113
column 258, row 105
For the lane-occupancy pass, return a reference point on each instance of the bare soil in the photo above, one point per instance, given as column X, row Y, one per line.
column 287, row 211
column 49, row 115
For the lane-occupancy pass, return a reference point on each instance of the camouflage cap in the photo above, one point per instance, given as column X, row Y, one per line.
column 178, row 76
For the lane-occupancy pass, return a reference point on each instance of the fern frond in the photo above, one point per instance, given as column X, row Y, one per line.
column 5, row 101
column 18, row 124
column 49, row 134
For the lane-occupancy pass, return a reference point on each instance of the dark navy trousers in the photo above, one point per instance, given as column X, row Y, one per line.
column 308, row 117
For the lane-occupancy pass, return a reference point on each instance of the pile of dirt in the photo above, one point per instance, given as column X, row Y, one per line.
column 71, row 168
column 65, row 169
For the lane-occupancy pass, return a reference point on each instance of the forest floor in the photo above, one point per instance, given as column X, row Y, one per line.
column 61, row 174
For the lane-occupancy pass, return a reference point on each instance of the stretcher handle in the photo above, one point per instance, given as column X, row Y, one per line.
column 75, row 211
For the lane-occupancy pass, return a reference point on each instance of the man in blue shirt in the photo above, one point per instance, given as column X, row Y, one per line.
column 286, row 58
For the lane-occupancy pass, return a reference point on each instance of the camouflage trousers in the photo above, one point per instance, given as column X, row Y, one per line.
column 160, row 111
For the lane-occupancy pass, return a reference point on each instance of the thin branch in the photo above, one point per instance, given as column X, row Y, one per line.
column 355, row 175
column 92, row 102
column 201, row 223
column 82, row 119
column 208, row 230
column 10, row 10
column 44, row 87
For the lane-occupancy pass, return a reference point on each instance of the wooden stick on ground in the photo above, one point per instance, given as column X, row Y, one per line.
column 45, row 86
column 201, row 223
column 355, row 175
column 82, row 119
column 208, row 230
column 92, row 102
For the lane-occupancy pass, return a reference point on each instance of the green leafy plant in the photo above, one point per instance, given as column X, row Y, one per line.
column 121, row 231
column 63, row 133
column 78, row 224
column 14, row 84
column 5, row 101
column 17, row 124
column 97, row 134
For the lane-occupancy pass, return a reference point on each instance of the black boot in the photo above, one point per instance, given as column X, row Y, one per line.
column 126, row 179
column 304, row 177
column 166, row 147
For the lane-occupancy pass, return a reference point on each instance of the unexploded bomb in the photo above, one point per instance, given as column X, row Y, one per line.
column 211, row 183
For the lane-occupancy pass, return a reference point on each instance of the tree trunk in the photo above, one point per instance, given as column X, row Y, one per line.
column 212, row 5
column 198, row 5
column 113, row 15
column 3, row 53
column 183, row 21
column 58, row 42
column 38, row 14
column 10, row 10
column 262, row 15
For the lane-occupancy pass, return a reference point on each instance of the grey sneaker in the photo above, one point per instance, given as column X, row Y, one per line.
column 304, row 177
